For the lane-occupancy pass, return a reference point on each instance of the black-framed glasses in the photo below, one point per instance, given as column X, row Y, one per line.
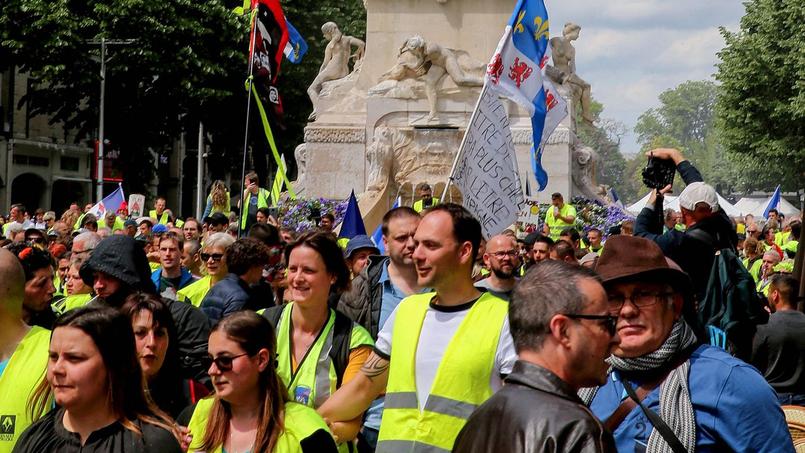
column 638, row 299
column 609, row 322
column 504, row 253
column 215, row 256
column 223, row 362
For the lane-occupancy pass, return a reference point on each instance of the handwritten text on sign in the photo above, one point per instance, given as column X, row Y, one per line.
column 486, row 171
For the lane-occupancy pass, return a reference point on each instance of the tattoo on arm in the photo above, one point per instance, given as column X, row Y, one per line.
column 374, row 366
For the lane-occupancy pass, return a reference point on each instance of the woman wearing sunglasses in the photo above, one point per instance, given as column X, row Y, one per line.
column 318, row 349
column 212, row 254
column 251, row 411
column 94, row 377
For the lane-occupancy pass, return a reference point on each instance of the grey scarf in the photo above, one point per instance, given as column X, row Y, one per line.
column 675, row 407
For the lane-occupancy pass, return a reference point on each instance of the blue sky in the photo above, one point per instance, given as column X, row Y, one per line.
column 630, row 51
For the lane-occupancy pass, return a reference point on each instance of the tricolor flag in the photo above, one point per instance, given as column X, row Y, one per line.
column 110, row 203
column 517, row 71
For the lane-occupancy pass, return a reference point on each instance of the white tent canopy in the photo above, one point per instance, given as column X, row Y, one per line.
column 756, row 206
column 672, row 202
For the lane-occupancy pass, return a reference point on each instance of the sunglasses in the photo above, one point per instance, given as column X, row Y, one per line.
column 222, row 362
column 609, row 322
column 214, row 256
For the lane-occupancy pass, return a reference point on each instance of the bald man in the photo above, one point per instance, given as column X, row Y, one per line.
column 502, row 259
column 23, row 353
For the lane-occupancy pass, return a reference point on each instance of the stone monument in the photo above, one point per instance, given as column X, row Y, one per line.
column 397, row 118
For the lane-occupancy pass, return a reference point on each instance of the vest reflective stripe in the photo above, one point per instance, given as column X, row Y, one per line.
column 194, row 293
column 419, row 205
column 262, row 202
column 315, row 378
column 557, row 225
column 300, row 422
column 25, row 370
column 462, row 381
column 162, row 220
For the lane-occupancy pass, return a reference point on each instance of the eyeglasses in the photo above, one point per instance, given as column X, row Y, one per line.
column 82, row 251
column 504, row 253
column 214, row 256
column 223, row 362
column 36, row 240
column 638, row 299
column 609, row 322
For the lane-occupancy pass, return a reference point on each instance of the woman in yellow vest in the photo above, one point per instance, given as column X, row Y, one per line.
column 212, row 255
column 217, row 200
column 94, row 377
column 251, row 411
column 309, row 332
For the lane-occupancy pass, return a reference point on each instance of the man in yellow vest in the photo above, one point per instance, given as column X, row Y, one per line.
column 23, row 353
column 425, row 198
column 162, row 215
column 559, row 216
column 450, row 347
column 254, row 198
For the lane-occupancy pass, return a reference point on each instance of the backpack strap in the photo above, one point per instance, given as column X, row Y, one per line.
column 273, row 315
column 339, row 353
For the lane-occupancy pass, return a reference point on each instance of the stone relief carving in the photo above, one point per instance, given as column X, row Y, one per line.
column 335, row 135
column 300, row 154
column 428, row 63
column 336, row 61
column 564, row 69
column 585, row 160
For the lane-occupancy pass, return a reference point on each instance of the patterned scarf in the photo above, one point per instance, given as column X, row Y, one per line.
column 676, row 410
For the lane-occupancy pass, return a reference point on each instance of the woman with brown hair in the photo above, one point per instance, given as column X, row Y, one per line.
column 251, row 411
column 94, row 377
column 217, row 200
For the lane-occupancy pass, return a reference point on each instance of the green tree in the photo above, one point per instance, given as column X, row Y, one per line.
column 605, row 137
column 761, row 104
column 685, row 119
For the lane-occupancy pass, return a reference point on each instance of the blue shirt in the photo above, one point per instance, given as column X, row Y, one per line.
column 735, row 409
column 3, row 365
column 391, row 297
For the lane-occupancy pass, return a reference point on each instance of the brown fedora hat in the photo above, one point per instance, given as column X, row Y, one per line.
column 630, row 258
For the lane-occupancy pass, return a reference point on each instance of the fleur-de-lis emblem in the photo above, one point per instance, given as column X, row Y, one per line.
column 518, row 26
column 541, row 28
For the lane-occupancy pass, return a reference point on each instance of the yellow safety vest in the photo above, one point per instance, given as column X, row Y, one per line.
column 754, row 271
column 162, row 220
column 68, row 303
column 557, row 225
column 25, row 370
column 315, row 377
column 262, row 202
column 462, row 380
column 300, row 422
column 194, row 293
column 419, row 205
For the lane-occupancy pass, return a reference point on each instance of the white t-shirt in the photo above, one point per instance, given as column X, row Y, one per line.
column 438, row 328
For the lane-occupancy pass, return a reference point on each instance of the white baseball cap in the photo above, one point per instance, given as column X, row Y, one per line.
column 698, row 192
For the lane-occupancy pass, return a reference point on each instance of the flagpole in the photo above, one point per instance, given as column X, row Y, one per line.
column 249, row 82
column 463, row 140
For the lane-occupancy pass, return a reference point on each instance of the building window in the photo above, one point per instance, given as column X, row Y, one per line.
column 32, row 161
column 69, row 163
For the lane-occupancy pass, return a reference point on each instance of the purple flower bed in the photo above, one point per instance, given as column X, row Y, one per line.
column 295, row 214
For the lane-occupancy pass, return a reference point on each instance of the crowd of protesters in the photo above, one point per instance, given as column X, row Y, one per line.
column 160, row 334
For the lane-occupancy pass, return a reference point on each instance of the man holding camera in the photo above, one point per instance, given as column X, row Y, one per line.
column 708, row 227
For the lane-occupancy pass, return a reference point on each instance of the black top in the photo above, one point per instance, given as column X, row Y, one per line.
column 49, row 435
column 534, row 412
column 779, row 351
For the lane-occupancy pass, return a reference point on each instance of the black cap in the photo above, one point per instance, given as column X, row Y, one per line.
column 217, row 218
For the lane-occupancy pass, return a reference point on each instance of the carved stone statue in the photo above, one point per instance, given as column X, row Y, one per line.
column 564, row 68
column 429, row 61
column 336, row 61
column 585, row 161
column 300, row 153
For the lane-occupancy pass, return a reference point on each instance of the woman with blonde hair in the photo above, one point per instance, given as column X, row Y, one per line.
column 217, row 200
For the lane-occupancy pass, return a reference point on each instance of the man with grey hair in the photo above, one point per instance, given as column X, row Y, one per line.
column 562, row 331
column 85, row 243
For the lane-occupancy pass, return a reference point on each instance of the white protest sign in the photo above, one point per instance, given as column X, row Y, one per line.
column 136, row 205
column 486, row 167
column 529, row 215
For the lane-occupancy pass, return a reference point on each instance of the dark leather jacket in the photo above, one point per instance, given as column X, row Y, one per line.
column 534, row 412
column 363, row 300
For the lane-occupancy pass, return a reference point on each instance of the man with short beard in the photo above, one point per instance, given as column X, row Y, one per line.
column 502, row 259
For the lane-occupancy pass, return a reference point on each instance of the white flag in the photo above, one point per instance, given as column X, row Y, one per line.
column 486, row 167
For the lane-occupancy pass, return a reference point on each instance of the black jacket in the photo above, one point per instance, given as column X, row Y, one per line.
column 362, row 302
column 691, row 254
column 534, row 412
